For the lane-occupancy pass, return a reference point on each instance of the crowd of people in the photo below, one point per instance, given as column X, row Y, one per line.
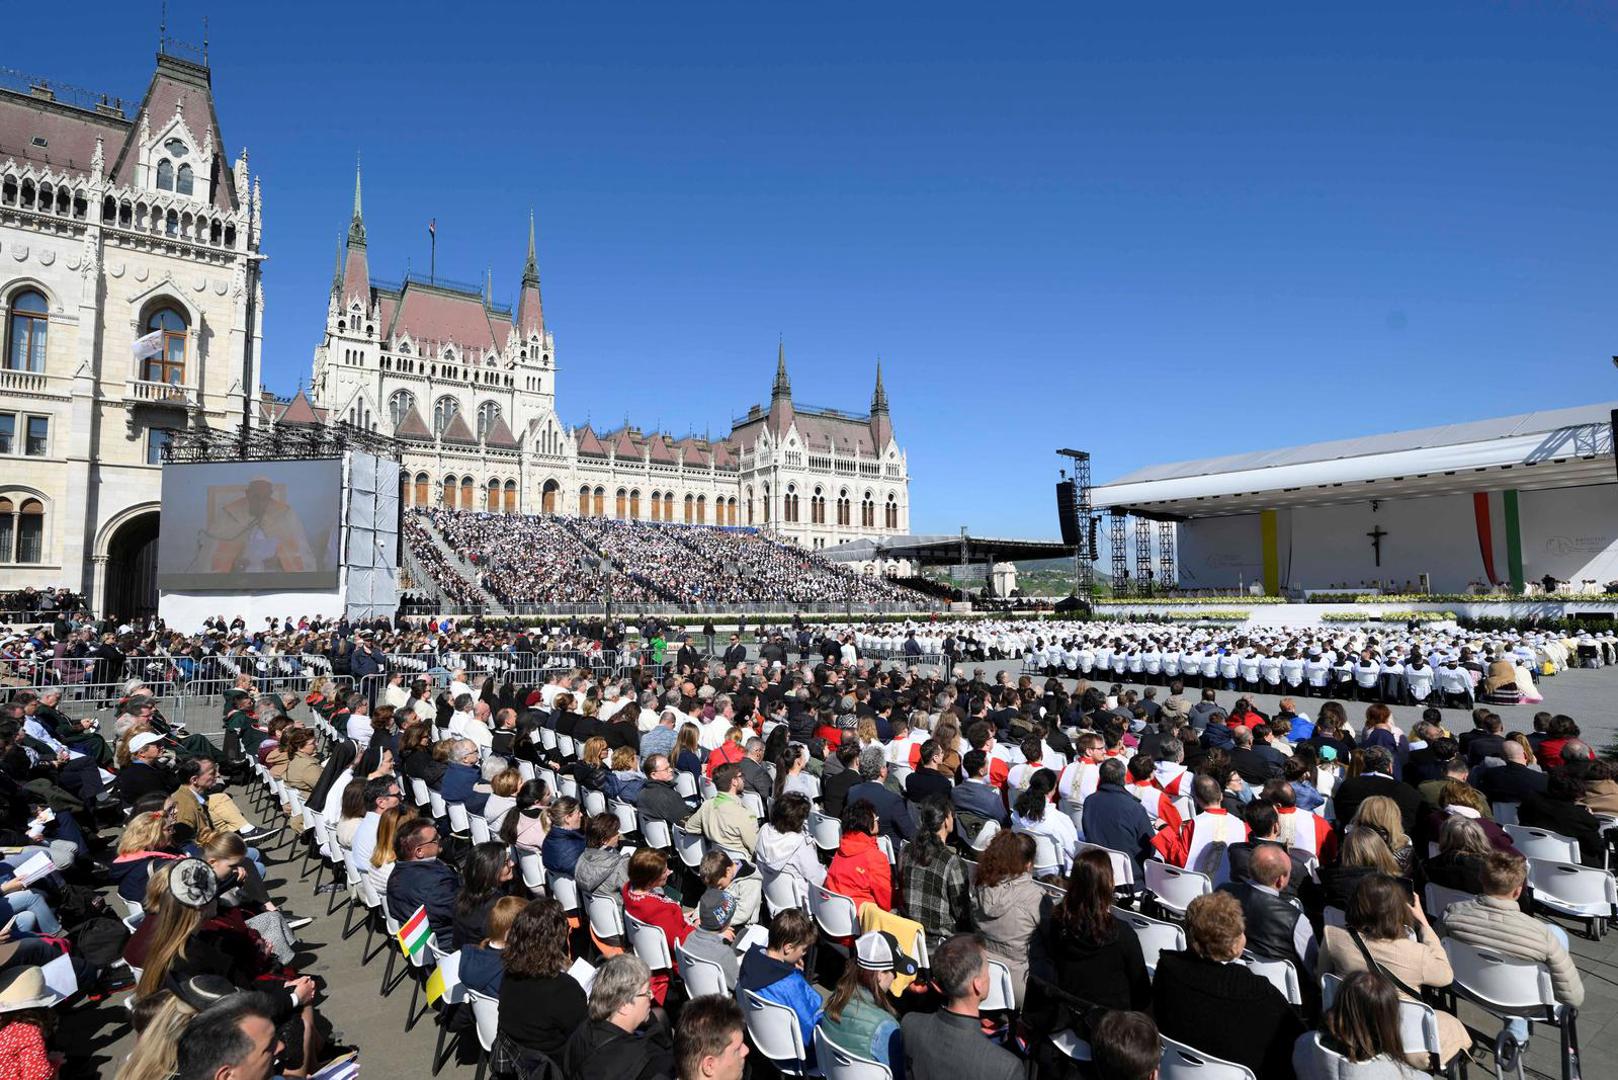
column 522, row 559
column 554, row 559
column 999, row 848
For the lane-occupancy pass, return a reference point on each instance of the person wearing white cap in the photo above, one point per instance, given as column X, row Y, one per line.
column 859, row 1015
column 25, row 1019
column 145, row 772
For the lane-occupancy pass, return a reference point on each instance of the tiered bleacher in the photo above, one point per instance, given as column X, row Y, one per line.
column 558, row 560
column 851, row 869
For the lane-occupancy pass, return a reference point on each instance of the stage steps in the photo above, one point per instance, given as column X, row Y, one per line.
column 452, row 558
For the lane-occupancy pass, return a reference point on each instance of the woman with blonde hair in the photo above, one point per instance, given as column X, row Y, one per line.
column 1382, row 815
column 393, row 819
column 1363, row 853
column 158, row 1020
column 688, row 750
column 1528, row 758
column 503, row 788
column 145, row 843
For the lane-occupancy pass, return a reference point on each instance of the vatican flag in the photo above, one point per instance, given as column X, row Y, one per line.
column 150, row 345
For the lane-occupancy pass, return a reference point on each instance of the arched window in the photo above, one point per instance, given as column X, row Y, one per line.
column 789, row 509
column 868, row 511
column 750, row 506
column 601, row 502
column 891, row 516
column 182, row 182
column 450, row 488
column 488, row 413
column 25, row 336
column 165, row 354
column 491, row 498
column 424, row 489
column 634, row 505
column 668, row 506
column 584, row 501
column 469, row 493
column 31, row 532
column 657, row 506
column 622, row 508
column 702, row 509
column 444, row 410
column 510, row 493
column 400, row 402
column 690, row 508
column 165, row 175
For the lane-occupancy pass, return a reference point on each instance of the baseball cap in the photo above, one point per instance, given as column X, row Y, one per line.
column 143, row 740
column 715, row 910
column 879, row 951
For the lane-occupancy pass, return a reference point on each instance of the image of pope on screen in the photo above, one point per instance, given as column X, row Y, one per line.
column 259, row 524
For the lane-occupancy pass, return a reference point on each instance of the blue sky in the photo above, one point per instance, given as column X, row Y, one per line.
column 1153, row 231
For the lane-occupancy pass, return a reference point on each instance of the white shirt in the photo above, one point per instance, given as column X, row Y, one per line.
column 1058, row 828
column 358, row 728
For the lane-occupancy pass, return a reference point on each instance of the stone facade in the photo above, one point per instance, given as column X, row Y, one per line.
column 471, row 389
column 114, row 229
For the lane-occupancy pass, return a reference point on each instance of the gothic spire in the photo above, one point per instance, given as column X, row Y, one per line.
column 783, row 385
column 879, row 398
column 337, row 272
column 530, row 313
column 356, row 227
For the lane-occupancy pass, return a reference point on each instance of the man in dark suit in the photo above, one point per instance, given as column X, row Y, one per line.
column 1275, row 923
column 975, row 800
column 1377, row 779
column 834, row 789
column 145, row 772
column 949, row 1043
column 1254, row 759
column 1264, row 828
column 1512, row 782
column 736, row 652
column 927, row 782
column 420, row 879
column 1486, row 741
column 687, row 659
column 892, row 815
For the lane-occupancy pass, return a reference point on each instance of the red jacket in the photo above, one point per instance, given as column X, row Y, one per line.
column 664, row 914
column 729, row 753
column 861, row 872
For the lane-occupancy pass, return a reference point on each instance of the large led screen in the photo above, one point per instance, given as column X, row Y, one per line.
column 250, row 525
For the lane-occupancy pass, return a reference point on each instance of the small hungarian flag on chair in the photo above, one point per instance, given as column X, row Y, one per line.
column 413, row 934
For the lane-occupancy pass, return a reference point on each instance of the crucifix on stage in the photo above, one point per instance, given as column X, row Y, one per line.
column 1376, row 536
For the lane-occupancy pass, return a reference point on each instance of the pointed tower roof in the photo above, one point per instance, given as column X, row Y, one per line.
column 589, row 444
column 530, row 315
column 781, row 393
column 413, row 427
column 299, row 411
column 337, row 271
column 881, row 423
column 356, row 268
column 457, row 431
column 499, row 435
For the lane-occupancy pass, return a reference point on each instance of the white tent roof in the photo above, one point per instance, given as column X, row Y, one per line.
column 1565, row 448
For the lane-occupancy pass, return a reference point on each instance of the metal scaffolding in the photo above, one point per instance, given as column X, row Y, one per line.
column 1166, row 577
column 1120, row 553
column 1144, row 573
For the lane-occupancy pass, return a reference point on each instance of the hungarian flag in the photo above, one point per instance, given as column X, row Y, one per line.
column 414, row 933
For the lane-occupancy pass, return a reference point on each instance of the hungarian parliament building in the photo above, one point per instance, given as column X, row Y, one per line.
column 469, row 389
column 132, row 307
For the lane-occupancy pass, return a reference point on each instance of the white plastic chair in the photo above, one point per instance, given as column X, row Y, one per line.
column 481, row 834
column 563, row 889
column 834, row 913
column 838, row 1064
column 985, row 834
column 1282, row 975
column 1175, row 888
column 1581, row 892
column 685, row 784
column 533, row 871
column 1123, row 865
column 655, row 831
column 419, row 793
column 594, row 803
column 1506, row 987
column 784, row 891
column 628, row 819
column 776, row 1034
column 1438, row 899
column 648, row 943
column 1181, row 1062
column 701, row 977
column 1542, row 843
column 486, row 1015
column 1156, row 936
column 1047, row 862
column 690, row 846
column 827, row 831
column 606, row 917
